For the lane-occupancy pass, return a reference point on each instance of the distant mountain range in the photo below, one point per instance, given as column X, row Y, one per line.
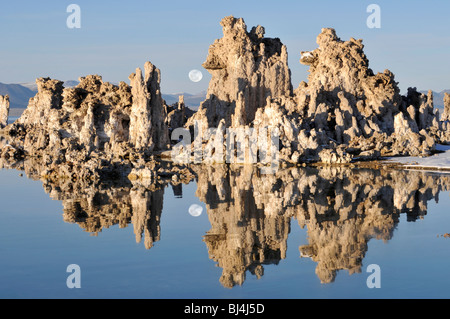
column 19, row 95
column 191, row 100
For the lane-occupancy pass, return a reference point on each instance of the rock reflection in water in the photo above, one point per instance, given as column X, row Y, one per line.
column 250, row 214
column 95, row 206
column 342, row 208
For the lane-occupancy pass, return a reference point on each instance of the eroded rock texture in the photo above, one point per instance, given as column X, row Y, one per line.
column 246, row 69
column 348, row 108
column 444, row 133
column 95, row 146
column 148, row 129
column 347, row 104
column 344, row 112
column 446, row 114
column 94, row 127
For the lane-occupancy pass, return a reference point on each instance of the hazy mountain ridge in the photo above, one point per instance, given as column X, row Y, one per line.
column 19, row 95
column 191, row 100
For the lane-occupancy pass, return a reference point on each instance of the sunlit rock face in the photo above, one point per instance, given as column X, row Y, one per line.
column 341, row 84
column 71, row 129
column 343, row 113
column 148, row 129
column 98, row 115
column 4, row 110
column 246, row 69
column 346, row 104
column 83, row 119
column 96, row 126
column 444, row 133
column 446, row 114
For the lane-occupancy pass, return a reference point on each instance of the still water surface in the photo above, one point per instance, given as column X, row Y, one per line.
column 303, row 233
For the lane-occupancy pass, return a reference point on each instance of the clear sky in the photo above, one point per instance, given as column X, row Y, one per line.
column 116, row 37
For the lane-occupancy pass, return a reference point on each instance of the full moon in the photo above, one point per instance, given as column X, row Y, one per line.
column 195, row 75
column 195, row 210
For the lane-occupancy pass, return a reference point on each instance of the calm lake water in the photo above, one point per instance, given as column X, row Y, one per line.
column 301, row 233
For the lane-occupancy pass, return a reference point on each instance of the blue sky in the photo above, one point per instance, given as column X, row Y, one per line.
column 116, row 37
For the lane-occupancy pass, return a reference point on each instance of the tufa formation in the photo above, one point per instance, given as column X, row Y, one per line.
column 95, row 129
column 343, row 113
column 4, row 110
